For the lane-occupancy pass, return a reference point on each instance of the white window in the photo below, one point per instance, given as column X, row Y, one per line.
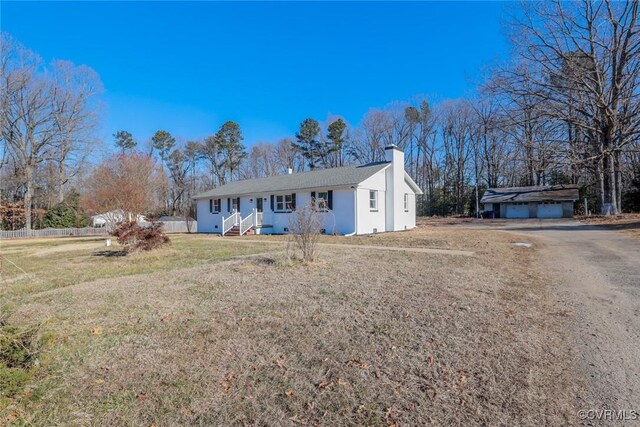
column 406, row 202
column 284, row 203
column 322, row 201
column 214, row 205
column 373, row 200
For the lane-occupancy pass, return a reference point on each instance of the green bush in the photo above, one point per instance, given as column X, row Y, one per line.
column 67, row 214
column 18, row 352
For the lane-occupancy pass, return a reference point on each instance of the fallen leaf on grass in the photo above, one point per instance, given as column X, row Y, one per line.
column 141, row 396
column 226, row 383
column 358, row 364
column 289, row 393
column 324, row 384
column 97, row 330
column 11, row 417
column 187, row 411
column 342, row 382
column 99, row 381
column 280, row 363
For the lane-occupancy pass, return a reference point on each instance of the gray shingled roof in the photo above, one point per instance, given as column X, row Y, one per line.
column 557, row 193
column 322, row 178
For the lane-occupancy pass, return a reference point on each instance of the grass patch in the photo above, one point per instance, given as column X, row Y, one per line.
column 19, row 358
column 198, row 334
column 33, row 266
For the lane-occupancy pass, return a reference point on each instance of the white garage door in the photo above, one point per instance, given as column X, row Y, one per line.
column 549, row 210
column 518, row 210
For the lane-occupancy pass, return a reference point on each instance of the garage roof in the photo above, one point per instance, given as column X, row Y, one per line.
column 556, row 193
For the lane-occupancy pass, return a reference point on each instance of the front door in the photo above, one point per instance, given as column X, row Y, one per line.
column 259, row 204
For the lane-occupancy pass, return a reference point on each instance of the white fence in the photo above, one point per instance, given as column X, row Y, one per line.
column 168, row 227
column 53, row 232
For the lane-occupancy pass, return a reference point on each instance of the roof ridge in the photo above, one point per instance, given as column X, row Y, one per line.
column 341, row 176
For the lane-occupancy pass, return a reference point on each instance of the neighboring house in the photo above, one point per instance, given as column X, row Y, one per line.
column 111, row 218
column 554, row 201
column 370, row 198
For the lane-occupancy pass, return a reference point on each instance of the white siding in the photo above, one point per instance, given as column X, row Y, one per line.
column 207, row 221
column 339, row 220
column 372, row 221
column 407, row 219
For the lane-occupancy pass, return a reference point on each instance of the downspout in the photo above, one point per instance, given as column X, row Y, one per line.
column 355, row 210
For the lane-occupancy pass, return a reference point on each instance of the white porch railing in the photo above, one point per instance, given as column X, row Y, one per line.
column 246, row 223
column 254, row 219
column 229, row 222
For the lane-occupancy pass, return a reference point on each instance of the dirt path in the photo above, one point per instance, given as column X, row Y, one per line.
column 596, row 275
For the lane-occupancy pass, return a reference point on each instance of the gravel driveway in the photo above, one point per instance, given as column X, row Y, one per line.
column 596, row 276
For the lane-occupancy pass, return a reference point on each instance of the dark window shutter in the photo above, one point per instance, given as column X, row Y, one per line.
column 330, row 201
column 293, row 201
column 272, row 202
column 211, row 205
column 238, row 204
column 228, row 204
column 219, row 205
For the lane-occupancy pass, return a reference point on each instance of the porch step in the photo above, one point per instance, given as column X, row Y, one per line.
column 235, row 232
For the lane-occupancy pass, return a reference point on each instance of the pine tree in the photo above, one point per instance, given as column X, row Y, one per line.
column 164, row 143
column 229, row 140
column 335, row 134
column 307, row 141
column 124, row 140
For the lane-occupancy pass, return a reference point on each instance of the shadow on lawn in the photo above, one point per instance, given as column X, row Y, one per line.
column 109, row 253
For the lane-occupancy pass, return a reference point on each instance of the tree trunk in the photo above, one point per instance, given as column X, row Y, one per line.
column 600, row 185
column 28, row 196
column 61, row 181
column 610, row 203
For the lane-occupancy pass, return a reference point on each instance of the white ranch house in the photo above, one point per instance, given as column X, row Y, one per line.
column 371, row 198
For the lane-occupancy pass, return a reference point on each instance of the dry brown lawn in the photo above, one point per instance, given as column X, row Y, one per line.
column 362, row 337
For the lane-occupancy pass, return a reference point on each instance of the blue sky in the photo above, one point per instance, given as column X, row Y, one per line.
column 188, row 67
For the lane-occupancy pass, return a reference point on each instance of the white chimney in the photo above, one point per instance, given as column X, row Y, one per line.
column 289, row 171
column 394, row 203
column 393, row 154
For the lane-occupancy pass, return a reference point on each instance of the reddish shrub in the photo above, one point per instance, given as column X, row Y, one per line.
column 134, row 237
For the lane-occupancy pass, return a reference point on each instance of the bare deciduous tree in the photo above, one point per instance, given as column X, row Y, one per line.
column 305, row 227
column 127, row 183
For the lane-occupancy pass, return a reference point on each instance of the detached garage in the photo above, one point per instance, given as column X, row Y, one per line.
column 554, row 201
